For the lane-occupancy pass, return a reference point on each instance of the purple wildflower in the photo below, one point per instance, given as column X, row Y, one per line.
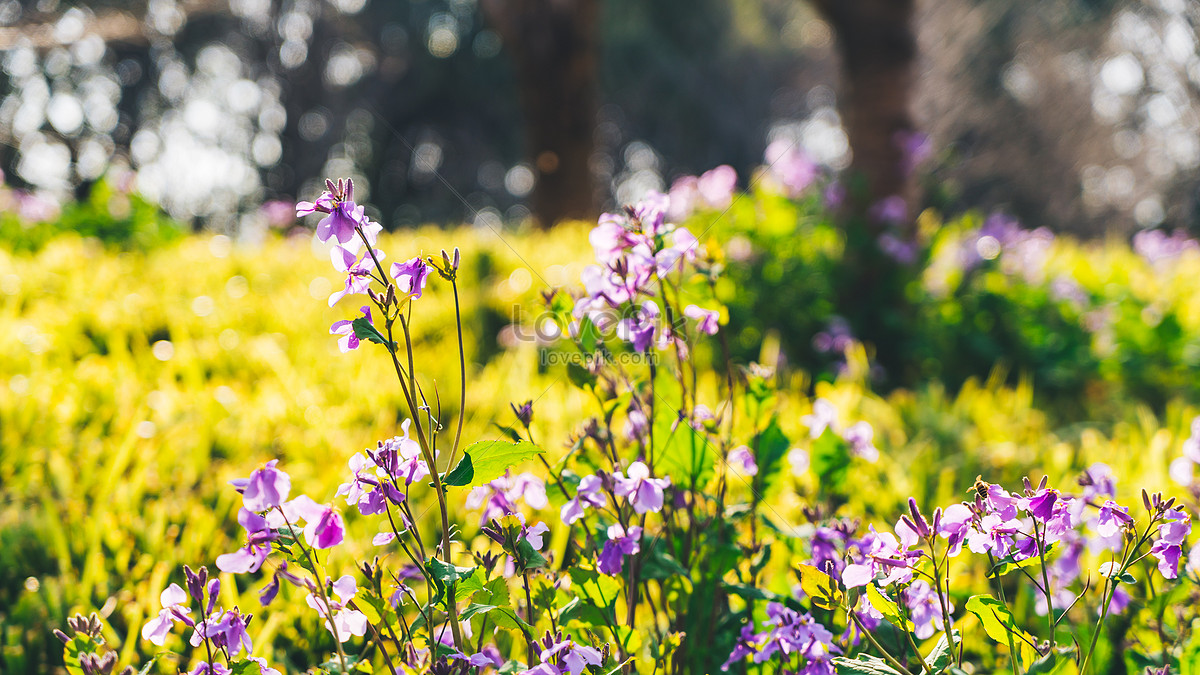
column 644, row 493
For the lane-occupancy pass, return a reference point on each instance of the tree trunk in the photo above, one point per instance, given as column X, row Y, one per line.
column 553, row 45
column 878, row 49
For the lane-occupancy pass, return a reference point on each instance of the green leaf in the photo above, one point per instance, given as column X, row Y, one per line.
column 363, row 330
column 588, row 336
column 820, row 587
column 505, row 617
column 246, row 667
column 657, row 563
column 943, row 654
column 508, row 431
column 74, row 650
column 890, row 610
column 584, row 611
column 470, row 585
column 681, row 453
column 601, row 589
column 1000, row 625
column 772, row 446
column 530, row 559
column 580, row 377
column 831, row 460
column 445, row 574
column 863, row 664
column 485, row 461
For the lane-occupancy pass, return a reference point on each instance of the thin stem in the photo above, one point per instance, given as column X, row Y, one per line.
column 1041, row 544
column 462, row 373
column 320, row 587
column 874, row 643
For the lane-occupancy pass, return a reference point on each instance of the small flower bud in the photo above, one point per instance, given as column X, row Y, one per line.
column 524, row 413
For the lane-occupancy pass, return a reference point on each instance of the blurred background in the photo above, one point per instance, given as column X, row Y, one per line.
column 164, row 316
column 1078, row 115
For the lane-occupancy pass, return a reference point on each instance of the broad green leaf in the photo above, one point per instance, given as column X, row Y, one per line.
column 583, row 611
column 681, row 452
column 1000, row 625
column 485, row 461
column 588, row 336
column 831, row 460
column 445, row 574
column 530, row 558
column 771, row 447
column 580, row 377
column 820, row 587
column 657, row 563
column 363, row 330
column 601, row 589
column 469, row 585
column 943, row 654
column 863, row 664
column 890, row 610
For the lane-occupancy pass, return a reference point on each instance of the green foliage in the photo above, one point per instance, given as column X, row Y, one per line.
column 117, row 218
column 485, row 461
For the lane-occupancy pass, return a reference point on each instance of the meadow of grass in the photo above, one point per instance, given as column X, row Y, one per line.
column 134, row 384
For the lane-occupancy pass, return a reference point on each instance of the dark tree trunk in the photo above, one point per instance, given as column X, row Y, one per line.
column 553, row 45
column 878, row 49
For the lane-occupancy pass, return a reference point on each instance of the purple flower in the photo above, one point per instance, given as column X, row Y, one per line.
column 824, row 416
column 741, row 458
column 1112, row 519
column 1168, row 548
column 400, row 457
column 173, row 610
column 609, row 238
column 716, row 187
column 590, row 493
column 357, row 270
column 619, row 545
column 880, row 553
column 227, row 630
column 1097, row 481
column 640, row 330
column 1041, row 505
column 349, row 341
column 344, row 216
column 348, row 622
column 650, row 212
column 644, row 493
column 706, row 319
column 993, row 535
column 793, row 170
column 534, row 533
column 859, row 435
column 258, row 547
column 489, row 657
column 265, row 489
column 411, row 276
column 955, row 526
column 499, row 497
column 323, row 525
column 924, row 608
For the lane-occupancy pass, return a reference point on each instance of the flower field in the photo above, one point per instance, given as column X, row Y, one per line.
column 730, row 479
